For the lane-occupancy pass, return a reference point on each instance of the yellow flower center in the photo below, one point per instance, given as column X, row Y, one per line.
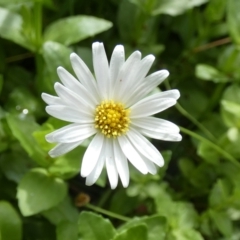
column 111, row 118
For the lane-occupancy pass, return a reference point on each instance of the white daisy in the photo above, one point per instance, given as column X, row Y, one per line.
column 114, row 108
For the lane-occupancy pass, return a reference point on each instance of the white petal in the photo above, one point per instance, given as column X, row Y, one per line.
column 73, row 99
column 51, row 100
column 121, row 164
column 91, row 155
column 101, row 69
column 72, row 133
column 150, row 165
column 135, row 77
column 68, row 114
column 145, row 66
column 132, row 154
column 116, row 62
column 95, row 173
column 155, row 79
column 145, row 147
column 175, row 137
column 75, row 86
column 151, row 107
column 129, row 68
column 62, row 148
column 147, row 85
column 175, row 94
column 84, row 75
column 110, row 164
column 155, row 124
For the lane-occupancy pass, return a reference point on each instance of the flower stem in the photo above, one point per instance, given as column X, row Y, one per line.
column 106, row 212
column 37, row 10
column 212, row 145
column 191, row 118
column 195, row 121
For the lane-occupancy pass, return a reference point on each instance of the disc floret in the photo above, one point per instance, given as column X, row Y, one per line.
column 111, row 118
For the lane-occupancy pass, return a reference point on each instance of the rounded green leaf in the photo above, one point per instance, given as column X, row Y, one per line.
column 64, row 211
column 55, row 55
column 10, row 223
column 138, row 232
column 189, row 234
column 75, row 29
column 209, row 73
column 92, row 226
column 67, row 230
column 175, row 7
column 220, row 193
column 11, row 28
column 22, row 129
column 156, row 226
column 222, row 222
column 38, row 191
column 230, row 106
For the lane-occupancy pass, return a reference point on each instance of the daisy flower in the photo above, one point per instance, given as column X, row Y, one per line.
column 114, row 108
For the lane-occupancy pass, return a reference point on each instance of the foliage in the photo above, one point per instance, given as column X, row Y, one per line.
column 196, row 195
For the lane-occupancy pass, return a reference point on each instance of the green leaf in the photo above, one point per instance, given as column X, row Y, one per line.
column 229, row 60
column 86, row 55
column 138, row 232
column 75, row 29
column 186, row 166
column 207, row 72
column 55, row 55
column 207, row 153
column 233, row 19
column 40, row 134
column 167, row 155
column 68, row 165
column 19, row 3
column 215, row 10
column 156, row 226
column 11, row 28
column 25, row 101
column 220, row 193
column 141, row 30
column 92, row 226
column 64, row 211
column 23, row 128
column 175, row 7
column 186, row 234
column 67, row 230
column 180, row 215
column 15, row 164
column 230, row 146
column 203, row 176
column 222, row 222
column 230, row 106
column 38, row 191
column 10, row 222
column 128, row 12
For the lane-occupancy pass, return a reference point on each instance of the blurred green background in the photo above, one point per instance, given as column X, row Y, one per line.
column 196, row 195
